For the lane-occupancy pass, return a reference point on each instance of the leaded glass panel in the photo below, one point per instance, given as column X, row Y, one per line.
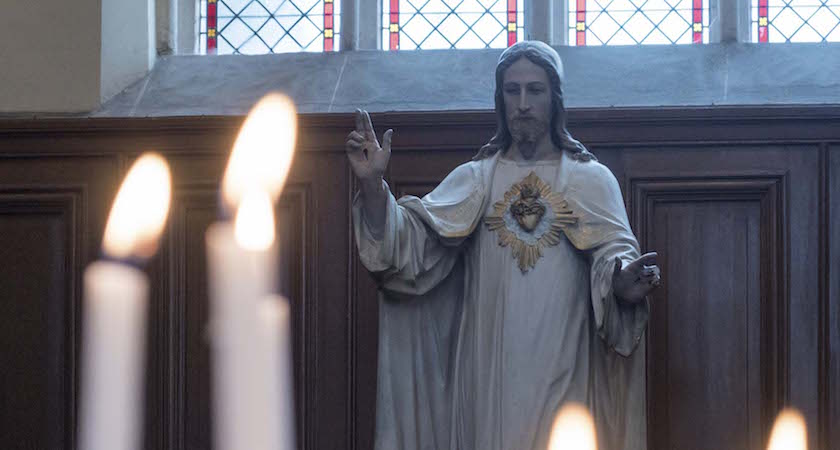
column 795, row 21
column 255, row 27
column 634, row 22
column 446, row 24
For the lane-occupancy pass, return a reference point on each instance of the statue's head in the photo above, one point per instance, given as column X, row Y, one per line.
column 524, row 61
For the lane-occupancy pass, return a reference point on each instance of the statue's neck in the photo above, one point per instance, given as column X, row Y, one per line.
column 542, row 149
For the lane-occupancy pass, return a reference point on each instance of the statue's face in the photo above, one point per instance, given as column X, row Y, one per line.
column 527, row 94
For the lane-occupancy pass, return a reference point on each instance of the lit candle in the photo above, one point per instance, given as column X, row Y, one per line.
column 115, row 304
column 262, row 154
column 573, row 429
column 789, row 432
column 274, row 325
column 242, row 270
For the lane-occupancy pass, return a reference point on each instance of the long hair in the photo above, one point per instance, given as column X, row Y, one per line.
column 543, row 56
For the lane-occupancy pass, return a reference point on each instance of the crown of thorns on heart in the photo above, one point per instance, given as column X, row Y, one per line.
column 527, row 203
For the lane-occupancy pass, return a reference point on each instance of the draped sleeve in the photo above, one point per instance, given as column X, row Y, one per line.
column 422, row 238
column 617, row 368
column 603, row 231
column 417, row 261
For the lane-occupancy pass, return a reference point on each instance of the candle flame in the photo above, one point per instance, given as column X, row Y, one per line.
column 254, row 226
column 139, row 212
column 262, row 153
column 573, row 429
column 789, row 432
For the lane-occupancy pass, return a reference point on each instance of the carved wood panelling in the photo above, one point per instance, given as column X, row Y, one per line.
column 831, row 394
column 41, row 238
column 680, row 153
column 718, row 327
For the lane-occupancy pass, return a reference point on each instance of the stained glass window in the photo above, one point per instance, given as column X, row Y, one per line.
column 442, row 24
column 795, row 21
column 255, row 27
column 632, row 22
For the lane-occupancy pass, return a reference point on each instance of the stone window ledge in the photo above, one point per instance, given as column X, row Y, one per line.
column 446, row 80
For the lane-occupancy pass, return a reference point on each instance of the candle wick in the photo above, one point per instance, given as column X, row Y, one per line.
column 131, row 261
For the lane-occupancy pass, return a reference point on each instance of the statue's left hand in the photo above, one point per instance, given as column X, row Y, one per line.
column 632, row 283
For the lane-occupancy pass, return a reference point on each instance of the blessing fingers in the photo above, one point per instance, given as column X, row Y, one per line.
column 651, row 275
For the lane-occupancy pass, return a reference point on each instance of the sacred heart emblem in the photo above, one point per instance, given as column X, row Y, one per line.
column 529, row 219
column 527, row 210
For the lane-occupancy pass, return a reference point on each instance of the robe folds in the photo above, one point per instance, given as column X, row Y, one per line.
column 474, row 353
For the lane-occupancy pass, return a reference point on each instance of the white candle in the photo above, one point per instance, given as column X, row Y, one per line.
column 242, row 270
column 573, row 429
column 274, row 325
column 239, row 277
column 115, row 304
column 789, row 432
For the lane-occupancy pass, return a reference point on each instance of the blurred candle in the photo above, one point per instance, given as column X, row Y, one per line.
column 573, row 429
column 274, row 325
column 242, row 270
column 115, row 304
column 262, row 154
column 789, row 432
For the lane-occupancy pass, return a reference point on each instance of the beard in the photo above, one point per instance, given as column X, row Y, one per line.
column 526, row 132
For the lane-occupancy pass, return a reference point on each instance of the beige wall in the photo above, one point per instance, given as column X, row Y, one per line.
column 128, row 43
column 67, row 57
column 49, row 55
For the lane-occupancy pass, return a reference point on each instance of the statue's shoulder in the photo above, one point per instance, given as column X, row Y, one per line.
column 464, row 181
column 585, row 174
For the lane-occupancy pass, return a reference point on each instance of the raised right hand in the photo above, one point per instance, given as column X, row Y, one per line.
column 367, row 158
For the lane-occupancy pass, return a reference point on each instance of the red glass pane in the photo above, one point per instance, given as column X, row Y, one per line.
column 581, row 5
column 328, row 22
column 395, row 41
column 581, row 38
column 511, row 38
column 328, row 44
column 328, row 8
column 762, row 34
column 762, row 11
column 211, row 27
column 511, row 5
column 698, row 37
column 581, row 16
column 511, row 17
column 395, row 17
column 698, row 16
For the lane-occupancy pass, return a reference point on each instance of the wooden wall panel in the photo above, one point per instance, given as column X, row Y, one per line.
column 831, row 275
column 40, row 239
column 713, row 334
column 794, row 274
column 50, row 209
column 750, row 189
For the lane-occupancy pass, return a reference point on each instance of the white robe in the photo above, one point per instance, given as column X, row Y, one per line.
column 476, row 354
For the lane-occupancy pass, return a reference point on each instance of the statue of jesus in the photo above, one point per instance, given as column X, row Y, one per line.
column 512, row 288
